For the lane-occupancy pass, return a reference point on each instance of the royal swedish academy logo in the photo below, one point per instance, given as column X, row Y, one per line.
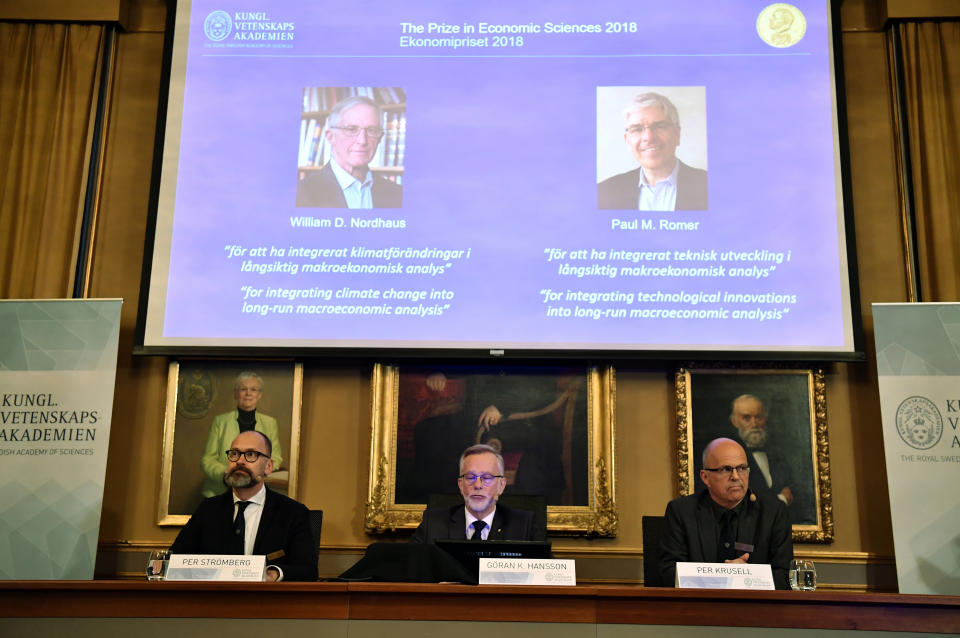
column 919, row 423
column 218, row 25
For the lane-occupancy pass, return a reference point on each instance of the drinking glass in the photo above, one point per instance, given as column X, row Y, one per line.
column 157, row 564
column 803, row 575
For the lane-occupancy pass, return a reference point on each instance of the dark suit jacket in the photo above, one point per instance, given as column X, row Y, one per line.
column 779, row 472
column 451, row 522
column 320, row 189
column 622, row 192
column 689, row 534
column 284, row 525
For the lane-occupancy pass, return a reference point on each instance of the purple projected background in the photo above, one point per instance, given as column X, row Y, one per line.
column 500, row 169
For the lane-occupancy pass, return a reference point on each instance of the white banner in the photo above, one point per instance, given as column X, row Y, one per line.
column 58, row 363
column 918, row 364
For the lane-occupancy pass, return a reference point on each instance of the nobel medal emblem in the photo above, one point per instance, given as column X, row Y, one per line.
column 781, row 25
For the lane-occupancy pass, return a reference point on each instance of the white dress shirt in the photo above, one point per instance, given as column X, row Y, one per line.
column 659, row 196
column 358, row 194
column 485, row 532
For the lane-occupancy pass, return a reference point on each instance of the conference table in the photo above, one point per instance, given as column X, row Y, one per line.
column 119, row 607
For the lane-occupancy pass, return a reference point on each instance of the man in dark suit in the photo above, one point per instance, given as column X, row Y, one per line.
column 727, row 522
column 354, row 132
column 662, row 182
column 251, row 519
column 481, row 482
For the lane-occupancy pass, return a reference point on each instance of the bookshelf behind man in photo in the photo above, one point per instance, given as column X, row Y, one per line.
column 351, row 152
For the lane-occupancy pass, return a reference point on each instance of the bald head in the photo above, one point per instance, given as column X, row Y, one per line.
column 725, row 472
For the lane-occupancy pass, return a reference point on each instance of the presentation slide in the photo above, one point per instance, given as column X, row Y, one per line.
column 567, row 176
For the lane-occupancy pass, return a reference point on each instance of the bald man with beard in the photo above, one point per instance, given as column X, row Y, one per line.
column 251, row 519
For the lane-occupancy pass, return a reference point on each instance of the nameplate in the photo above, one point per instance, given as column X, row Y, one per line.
column 724, row 576
column 527, row 571
column 235, row 567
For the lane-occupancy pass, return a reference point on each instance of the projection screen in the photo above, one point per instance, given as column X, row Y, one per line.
column 642, row 178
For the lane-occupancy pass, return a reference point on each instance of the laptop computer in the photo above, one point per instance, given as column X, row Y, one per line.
column 468, row 553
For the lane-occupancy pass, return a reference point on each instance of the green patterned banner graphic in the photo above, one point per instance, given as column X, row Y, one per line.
column 918, row 363
column 58, row 362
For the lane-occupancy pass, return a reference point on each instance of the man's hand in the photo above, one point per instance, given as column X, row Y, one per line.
column 489, row 417
column 786, row 495
column 436, row 382
column 271, row 575
column 743, row 559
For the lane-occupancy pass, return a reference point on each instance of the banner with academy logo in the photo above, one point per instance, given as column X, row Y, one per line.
column 918, row 364
column 58, row 362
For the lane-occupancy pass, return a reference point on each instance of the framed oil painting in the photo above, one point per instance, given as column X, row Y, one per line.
column 201, row 414
column 553, row 425
column 778, row 414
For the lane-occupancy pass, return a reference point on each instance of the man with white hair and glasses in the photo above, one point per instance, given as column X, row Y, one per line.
column 662, row 182
column 481, row 483
column 353, row 131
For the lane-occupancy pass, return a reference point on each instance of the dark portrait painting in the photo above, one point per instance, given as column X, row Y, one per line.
column 772, row 413
column 536, row 417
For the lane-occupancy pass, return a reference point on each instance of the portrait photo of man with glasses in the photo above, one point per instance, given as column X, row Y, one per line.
column 650, row 126
column 353, row 133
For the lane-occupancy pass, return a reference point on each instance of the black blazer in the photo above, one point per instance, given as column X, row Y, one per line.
column 284, row 526
column 320, row 189
column 451, row 523
column 621, row 192
column 779, row 471
column 689, row 534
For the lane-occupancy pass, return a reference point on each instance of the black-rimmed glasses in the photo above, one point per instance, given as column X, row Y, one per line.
column 727, row 470
column 250, row 455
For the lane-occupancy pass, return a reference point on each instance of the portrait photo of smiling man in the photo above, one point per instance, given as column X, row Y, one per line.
column 650, row 128
column 353, row 132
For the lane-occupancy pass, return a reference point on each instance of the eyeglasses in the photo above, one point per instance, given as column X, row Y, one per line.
column 486, row 479
column 373, row 132
column 656, row 128
column 727, row 470
column 250, row 455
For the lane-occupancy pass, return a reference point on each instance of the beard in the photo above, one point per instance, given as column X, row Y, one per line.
column 753, row 437
column 239, row 477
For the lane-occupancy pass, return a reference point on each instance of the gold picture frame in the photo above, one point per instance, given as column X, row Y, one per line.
column 198, row 390
column 580, row 400
column 795, row 406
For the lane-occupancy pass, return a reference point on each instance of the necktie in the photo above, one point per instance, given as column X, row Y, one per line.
column 477, row 529
column 240, row 526
column 727, row 537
